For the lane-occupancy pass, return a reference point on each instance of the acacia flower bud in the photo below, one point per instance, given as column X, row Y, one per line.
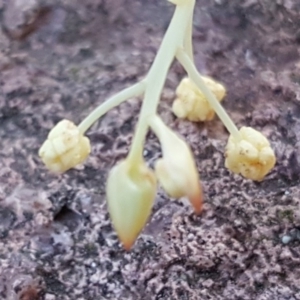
column 191, row 102
column 130, row 192
column 176, row 171
column 252, row 156
column 64, row 148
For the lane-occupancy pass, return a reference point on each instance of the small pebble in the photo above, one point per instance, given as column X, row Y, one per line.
column 286, row 239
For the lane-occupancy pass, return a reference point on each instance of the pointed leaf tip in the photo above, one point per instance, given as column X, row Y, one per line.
column 176, row 171
column 131, row 191
column 197, row 202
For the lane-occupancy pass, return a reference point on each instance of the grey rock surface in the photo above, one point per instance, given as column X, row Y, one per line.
column 59, row 59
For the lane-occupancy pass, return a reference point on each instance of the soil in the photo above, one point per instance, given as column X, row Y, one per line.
column 60, row 59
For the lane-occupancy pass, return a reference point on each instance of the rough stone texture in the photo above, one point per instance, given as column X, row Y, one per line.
column 59, row 59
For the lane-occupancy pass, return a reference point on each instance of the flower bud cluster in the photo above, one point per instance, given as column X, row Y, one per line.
column 64, row 148
column 191, row 103
column 248, row 152
column 251, row 156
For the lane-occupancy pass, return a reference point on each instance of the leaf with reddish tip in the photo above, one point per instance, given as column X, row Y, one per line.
column 130, row 191
column 176, row 171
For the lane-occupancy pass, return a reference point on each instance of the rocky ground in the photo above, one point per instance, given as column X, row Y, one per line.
column 59, row 59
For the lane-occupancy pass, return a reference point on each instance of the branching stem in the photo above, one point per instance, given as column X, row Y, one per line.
column 190, row 68
column 132, row 91
column 174, row 38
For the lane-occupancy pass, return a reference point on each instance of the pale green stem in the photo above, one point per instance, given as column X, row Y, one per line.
column 188, row 41
column 133, row 91
column 157, row 126
column 168, row 139
column 190, row 68
column 155, row 79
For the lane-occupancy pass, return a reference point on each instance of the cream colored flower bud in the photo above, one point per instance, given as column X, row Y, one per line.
column 191, row 102
column 64, row 148
column 252, row 156
column 176, row 171
column 130, row 192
